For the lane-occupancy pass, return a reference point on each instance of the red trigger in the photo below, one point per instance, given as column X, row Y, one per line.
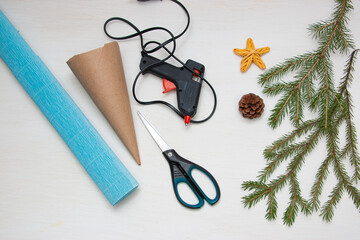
column 168, row 86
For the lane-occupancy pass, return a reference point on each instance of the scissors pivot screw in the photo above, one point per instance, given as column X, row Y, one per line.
column 170, row 154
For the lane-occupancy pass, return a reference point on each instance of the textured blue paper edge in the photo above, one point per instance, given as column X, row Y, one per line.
column 104, row 167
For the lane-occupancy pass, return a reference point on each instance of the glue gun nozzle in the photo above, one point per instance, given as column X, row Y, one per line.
column 187, row 120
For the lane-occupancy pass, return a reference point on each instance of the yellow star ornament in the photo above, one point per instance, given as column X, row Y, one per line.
column 251, row 55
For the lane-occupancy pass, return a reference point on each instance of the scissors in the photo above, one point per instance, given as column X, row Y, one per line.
column 181, row 170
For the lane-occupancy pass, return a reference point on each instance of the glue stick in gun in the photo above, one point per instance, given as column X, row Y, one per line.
column 186, row 80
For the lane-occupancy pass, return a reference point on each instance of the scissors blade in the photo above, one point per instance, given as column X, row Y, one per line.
column 158, row 139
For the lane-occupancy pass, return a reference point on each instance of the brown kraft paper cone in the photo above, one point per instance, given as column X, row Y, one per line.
column 101, row 73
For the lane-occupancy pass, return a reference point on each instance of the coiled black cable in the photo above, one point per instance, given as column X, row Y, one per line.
column 157, row 47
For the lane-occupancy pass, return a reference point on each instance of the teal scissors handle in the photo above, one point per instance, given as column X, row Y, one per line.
column 181, row 170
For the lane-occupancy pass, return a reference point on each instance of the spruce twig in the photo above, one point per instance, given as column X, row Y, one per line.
column 350, row 148
column 313, row 86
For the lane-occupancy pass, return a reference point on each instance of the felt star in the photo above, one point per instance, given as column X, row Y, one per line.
column 251, row 55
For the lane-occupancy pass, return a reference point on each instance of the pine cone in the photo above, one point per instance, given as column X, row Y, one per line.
column 251, row 106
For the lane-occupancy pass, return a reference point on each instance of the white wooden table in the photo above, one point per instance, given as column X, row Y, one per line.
column 46, row 194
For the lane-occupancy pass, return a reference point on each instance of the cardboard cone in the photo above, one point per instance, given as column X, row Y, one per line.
column 101, row 73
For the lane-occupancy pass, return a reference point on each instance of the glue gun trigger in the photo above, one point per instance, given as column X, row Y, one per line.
column 168, row 86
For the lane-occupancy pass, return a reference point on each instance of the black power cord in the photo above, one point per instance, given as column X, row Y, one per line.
column 158, row 46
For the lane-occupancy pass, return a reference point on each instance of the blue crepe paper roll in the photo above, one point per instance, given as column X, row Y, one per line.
column 109, row 174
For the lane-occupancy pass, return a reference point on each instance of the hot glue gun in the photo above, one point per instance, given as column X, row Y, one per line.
column 187, row 81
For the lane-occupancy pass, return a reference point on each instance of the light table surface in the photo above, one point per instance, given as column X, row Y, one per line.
column 46, row 194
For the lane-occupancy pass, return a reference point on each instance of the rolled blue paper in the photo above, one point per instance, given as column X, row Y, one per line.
column 103, row 166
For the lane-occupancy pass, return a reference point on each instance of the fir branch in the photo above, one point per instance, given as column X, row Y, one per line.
column 341, row 174
column 313, row 86
column 348, row 77
column 277, row 159
column 354, row 194
column 277, row 184
column 326, row 88
column 271, row 211
column 305, row 206
column 283, row 106
column 277, row 88
column 327, row 211
column 260, row 191
column 308, row 145
column 289, row 138
column 351, row 139
column 292, row 209
column 321, row 28
column 317, row 187
column 290, row 65
column 306, row 65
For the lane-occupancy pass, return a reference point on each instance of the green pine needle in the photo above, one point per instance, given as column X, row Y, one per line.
column 313, row 86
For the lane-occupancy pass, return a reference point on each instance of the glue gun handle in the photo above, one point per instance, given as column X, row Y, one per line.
column 162, row 70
